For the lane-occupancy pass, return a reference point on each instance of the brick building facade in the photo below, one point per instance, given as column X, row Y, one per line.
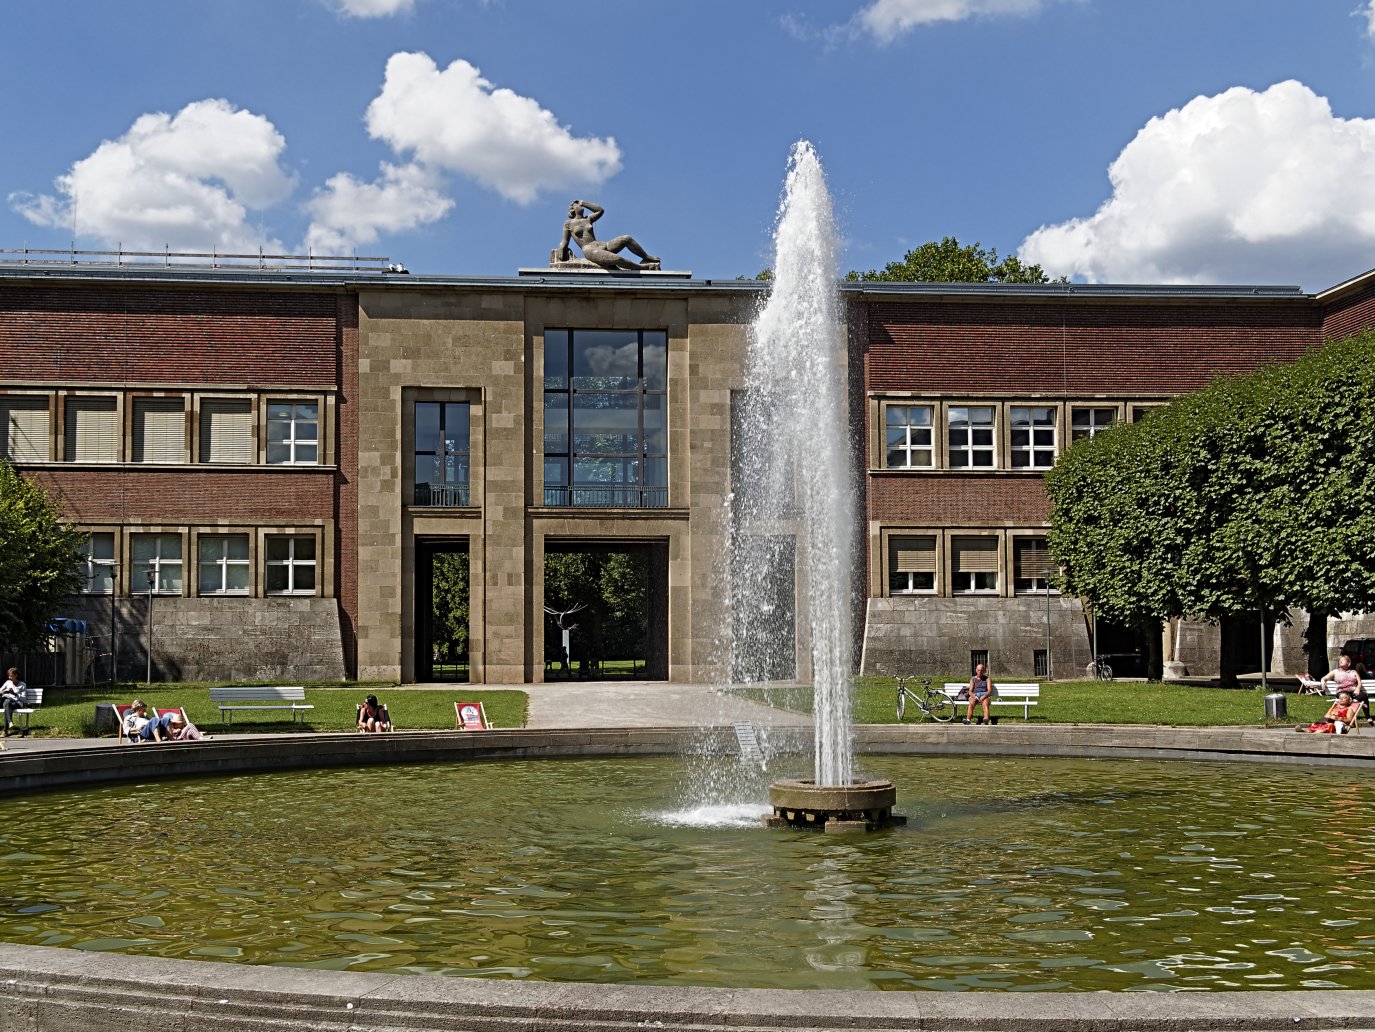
column 263, row 444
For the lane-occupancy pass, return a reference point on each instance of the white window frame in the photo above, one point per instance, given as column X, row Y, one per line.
column 1039, row 450
column 1093, row 428
column 224, row 564
column 295, row 439
column 912, row 577
column 967, row 427
column 291, row 563
column 1029, row 585
column 138, row 568
column 910, row 433
column 94, row 565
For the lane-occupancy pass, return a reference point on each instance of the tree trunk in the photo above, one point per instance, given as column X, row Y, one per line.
column 1155, row 653
column 1227, row 653
column 1315, row 644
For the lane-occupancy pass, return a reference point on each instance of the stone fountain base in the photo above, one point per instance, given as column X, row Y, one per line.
column 860, row 806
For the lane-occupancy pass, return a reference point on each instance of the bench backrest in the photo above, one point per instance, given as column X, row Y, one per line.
column 266, row 694
column 1003, row 690
column 33, row 696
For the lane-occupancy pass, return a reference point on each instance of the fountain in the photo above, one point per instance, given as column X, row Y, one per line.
column 796, row 374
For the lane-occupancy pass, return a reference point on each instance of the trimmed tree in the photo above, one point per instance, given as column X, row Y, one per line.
column 40, row 561
column 949, row 261
column 1249, row 495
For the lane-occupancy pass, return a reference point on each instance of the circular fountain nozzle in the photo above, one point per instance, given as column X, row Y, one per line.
column 858, row 806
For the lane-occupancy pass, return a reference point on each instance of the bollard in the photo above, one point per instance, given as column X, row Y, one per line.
column 1276, row 708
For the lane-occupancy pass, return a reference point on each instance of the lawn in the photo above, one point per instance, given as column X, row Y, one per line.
column 1079, row 702
column 70, row 712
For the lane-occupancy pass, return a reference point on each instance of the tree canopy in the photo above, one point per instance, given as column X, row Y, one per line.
column 1251, row 494
column 949, row 261
column 40, row 561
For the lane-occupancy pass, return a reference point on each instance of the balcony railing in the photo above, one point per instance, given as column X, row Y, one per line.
column 441, row 494
column 607, row 497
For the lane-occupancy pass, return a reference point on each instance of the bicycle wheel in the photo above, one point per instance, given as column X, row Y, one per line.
column 940, row 707
column 1104, row 671
column 902, row 703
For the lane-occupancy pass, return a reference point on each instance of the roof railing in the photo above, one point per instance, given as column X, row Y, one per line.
column 170, row 259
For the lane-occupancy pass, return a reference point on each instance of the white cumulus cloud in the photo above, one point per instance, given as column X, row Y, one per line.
column 349, row 212
column 1242, row 187
column 371, row 8
column 1369, row 14
column 455, row 120
column 888, row 19
column 187, row 181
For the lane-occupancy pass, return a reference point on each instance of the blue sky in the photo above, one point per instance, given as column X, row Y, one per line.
column 450, row 135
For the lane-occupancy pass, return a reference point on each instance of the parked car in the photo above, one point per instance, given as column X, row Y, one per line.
column 1361, row 650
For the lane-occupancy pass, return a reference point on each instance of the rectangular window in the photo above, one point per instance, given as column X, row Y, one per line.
column 907, row 437
column 158, row 555
column 1031, row 565
column 24, row 428
column 290, row 566
column 974, row 565
column 911, row 564
column 1040, row 663
column 442, row 450
column 293, row 433
column 227, row 431
column 1033, row 437
column 1140, row 412
column 159, row 430
column 98, row 564
column 606, row 418
column 223, row 566
column 1085, row 422
column 92, row 430
column 970, row 429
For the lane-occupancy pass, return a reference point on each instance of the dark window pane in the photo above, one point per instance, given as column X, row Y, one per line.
column 656, row 359
column 456, row 429
column 555, row 474
column 656, row 424
column 606, row 423
column 555, row 358
column 606, row 359
column 656, row 472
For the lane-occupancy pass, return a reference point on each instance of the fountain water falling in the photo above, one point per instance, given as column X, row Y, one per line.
column 793, row 503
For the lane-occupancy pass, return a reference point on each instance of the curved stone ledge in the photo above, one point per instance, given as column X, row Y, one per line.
column 43, row 988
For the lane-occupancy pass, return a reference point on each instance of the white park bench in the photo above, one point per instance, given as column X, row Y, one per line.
column 289, row 698
column 1004, row 694
column 33, row 698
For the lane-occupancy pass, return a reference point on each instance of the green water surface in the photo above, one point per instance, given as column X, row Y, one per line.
column 1011, row 875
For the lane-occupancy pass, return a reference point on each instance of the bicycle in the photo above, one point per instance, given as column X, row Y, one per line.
column 934, row 704
column 1101, row 670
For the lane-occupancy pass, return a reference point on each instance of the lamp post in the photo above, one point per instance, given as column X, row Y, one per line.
column 114, row 640
column 149, row 679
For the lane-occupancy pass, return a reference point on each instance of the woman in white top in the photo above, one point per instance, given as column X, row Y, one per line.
column 12, row 696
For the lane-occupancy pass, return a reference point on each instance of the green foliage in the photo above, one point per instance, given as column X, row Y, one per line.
column 948, row 261
column 1252, row 493
column 612, row 589
column 40, row 561
column 449, row 595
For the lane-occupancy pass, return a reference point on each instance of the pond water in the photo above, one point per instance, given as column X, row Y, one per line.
column 1011, row 875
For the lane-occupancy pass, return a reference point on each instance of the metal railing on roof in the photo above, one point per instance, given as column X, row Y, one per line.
column 168, row 259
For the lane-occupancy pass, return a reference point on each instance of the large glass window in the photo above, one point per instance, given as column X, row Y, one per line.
column 98, row 564
column 1033, row 437
column 1031, row 565
column 442, row 450
column 227, row 431
column 606, row 418
column 290, row 568
column 974, row 565
column 911, row 564
column 1084, row 423
column 907, row 436
column 293, row 433
column 24, row 429
column 160, row 555
column 92, row 431
column 159, row 430
column 970, row 430
column 223, row 568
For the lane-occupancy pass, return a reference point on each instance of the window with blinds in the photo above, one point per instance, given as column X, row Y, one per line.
column 24, row 429
column 159, row 430
column 911, row 564
column 227, row 431
column 974, row 564
column 1031, row 565
column 92, row 432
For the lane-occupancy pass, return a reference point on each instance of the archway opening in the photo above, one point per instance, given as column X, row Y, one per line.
column 441, row 624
